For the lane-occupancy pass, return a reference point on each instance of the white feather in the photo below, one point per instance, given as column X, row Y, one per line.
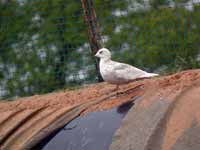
column 118, row 73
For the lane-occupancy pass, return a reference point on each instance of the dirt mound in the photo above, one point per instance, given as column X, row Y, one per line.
column 167, row 117
column 27, row 121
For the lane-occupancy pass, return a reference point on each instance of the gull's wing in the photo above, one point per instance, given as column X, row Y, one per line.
column 126, row 71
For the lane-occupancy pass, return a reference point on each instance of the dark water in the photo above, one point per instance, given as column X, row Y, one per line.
column 91, row 132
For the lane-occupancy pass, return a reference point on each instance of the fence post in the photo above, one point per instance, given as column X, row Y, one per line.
column 93, row 31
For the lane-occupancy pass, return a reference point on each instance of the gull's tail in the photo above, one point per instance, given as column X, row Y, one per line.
column 148, row 75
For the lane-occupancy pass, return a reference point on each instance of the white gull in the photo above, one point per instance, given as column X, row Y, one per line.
column 118, row 73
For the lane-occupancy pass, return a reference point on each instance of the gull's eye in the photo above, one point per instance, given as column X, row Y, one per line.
column 100, row 52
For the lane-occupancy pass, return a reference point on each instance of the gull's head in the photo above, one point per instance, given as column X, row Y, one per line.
column 103, row 53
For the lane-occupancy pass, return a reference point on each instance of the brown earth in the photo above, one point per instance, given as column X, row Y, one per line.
column 27, row 121
column 166, row 118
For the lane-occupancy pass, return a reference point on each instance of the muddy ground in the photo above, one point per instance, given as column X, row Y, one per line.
column 22, row 120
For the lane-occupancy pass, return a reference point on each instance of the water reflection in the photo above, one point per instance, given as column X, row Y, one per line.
column 123, row 109
column 91, row 132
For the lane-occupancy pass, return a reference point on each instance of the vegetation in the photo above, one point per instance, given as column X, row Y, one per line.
column 44, row 44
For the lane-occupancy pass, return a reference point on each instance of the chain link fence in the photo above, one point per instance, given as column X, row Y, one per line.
column 44, row 44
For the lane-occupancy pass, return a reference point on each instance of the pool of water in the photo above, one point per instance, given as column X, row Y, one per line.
column 93, row 131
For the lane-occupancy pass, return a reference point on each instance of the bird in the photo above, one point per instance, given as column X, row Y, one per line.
column 118, row 73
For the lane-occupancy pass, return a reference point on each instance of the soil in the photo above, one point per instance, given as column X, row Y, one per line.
column 38, row 111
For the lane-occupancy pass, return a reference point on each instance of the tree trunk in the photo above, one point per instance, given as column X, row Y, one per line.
column 93, row 31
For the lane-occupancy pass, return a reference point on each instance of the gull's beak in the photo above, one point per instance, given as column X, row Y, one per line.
column 96, row 55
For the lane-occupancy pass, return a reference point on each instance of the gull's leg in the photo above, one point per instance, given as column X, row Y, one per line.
column 117, row 89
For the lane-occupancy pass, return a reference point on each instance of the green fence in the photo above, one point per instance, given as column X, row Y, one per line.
column 44, row 44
